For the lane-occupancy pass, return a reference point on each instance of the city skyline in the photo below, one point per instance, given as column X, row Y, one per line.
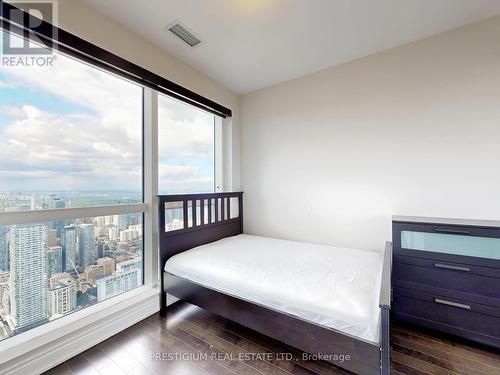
column 53, row 268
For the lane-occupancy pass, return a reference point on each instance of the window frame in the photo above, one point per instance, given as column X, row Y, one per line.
column 149, row 209
column 45, row 337
column 149, row 276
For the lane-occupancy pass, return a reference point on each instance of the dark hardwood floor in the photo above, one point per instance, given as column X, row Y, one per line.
column 187, row 332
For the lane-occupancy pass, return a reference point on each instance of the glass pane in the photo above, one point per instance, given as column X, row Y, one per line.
column 234, row 208
column 205, row 211
column 45, row 277
column 190, row 213
column 483, row 247
column 186, row 142
column 70, row 136
column 219, row 209
column 174, row 216
column 214, row 202
column 198, row 212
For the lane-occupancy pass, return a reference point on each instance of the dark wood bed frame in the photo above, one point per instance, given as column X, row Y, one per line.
column 365, row 357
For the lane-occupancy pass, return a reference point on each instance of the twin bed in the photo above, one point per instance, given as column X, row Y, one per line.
column 324, row 300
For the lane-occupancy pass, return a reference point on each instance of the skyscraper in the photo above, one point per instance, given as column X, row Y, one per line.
column 86, row 244
column 51, row 237
column 101, row 247
column 54, row 260
column 4, row 251
column 121, row 221
column 69, row 248
column 28, row 278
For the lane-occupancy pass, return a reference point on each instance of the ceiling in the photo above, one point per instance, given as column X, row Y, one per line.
column 251, row 44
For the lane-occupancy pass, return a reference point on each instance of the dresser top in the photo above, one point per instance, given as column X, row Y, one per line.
column 440, row 220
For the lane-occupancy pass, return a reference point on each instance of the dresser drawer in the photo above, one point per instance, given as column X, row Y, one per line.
column 461, row 277
column 458, row 241
column 456, row 316
column 448, row 293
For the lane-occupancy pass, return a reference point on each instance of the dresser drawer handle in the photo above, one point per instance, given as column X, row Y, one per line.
column 451, row 230
column 450, row 303
column 452, row 267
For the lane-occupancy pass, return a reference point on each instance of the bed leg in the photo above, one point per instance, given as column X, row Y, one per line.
column 385, row 347
column 163, row 295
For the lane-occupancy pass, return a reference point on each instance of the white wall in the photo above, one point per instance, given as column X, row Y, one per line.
column 329, row 157
column 83, row 21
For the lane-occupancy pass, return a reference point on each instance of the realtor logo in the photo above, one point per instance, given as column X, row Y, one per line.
column 28, row 16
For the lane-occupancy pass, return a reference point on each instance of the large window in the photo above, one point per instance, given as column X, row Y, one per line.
column 77, row 164
column 70, row 140
column 186, row 148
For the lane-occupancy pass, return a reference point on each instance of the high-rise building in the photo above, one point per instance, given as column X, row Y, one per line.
column 61, row 294
column 113, row 233
column 4, row 291
column 86, row 244
column 108, row 265
column 117, row 283
column 68, row 242
column 28, row 278
column 54, row 260
column 55, row 202
column 121, row 221
column 90, row 273
column 137, row 228
column 101, row 246
column 4, row 250
column 128, row 235
column 59, row 225
column 35, row 204
column 100, row 221
column 51, row 237
column 130, row 265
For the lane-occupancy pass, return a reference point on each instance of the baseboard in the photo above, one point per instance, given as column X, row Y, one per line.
column 58, row 351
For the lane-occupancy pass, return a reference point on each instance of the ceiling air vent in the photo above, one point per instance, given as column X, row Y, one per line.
column 181, row 31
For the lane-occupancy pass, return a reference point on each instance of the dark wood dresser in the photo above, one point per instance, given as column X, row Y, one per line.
column 446, row 276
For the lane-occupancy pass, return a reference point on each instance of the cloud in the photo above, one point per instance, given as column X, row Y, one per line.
column 11, row 111
column 6, row 85
column 67, row 152
column 98, row 145
column 184, row 129
column 184, row 178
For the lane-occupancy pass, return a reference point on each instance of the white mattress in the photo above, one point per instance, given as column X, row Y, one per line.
column 334, row 287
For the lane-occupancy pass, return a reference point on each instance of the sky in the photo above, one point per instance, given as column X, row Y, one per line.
column 72, row 127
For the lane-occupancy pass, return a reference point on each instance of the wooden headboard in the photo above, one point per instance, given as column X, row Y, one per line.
column 190, row 220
